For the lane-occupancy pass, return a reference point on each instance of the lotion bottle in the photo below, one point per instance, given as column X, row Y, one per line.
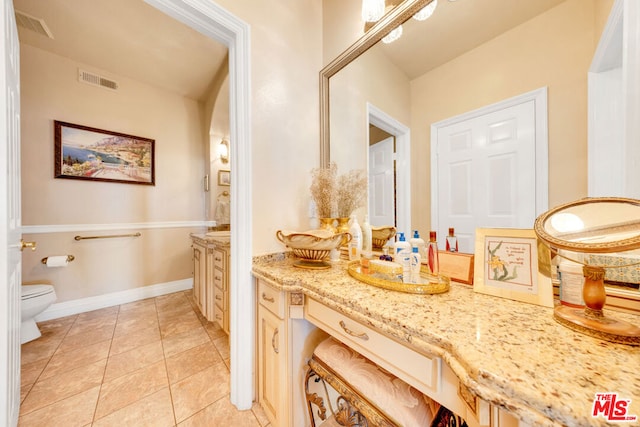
column 452, row 241
column 355, row 245
column 402, row 255
column 432, row 256
column 415, row 263
column 366, row 235
column 417, row 242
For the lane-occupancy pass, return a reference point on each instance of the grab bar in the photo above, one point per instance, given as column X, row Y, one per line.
column 107, row 237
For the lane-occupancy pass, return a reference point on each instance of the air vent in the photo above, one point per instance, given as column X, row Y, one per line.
column 96, row 80
column 32, row 23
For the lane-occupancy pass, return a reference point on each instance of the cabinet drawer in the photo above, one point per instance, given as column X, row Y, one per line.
column 271, row 299
column 219, row 316
column 218, row 279
column 219, row 259
column 220, row 299
column 422, row 372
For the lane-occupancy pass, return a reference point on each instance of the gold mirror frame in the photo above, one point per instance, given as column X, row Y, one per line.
column 604, row 247
column 391, row 20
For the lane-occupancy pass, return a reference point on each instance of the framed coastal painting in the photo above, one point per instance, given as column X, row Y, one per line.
column 509, row 264
column 87, row 153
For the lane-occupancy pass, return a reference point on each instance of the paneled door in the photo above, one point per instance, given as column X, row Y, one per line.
column 487, row 171
column 10, row 221
column 382, row 204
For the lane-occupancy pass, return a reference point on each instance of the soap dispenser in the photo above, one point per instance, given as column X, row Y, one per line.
column 402, row 255
column 417, row 242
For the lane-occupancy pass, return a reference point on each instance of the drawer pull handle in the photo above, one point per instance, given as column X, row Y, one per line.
column 218, row 259
column 273, row 341
column 267, row 298
column 218, row 297
column 362, row 335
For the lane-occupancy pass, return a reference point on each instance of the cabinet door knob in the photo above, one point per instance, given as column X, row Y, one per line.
column 267, row 298
column 273, row 341
column 362, row 335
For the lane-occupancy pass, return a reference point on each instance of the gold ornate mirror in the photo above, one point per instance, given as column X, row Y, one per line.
column 594, row 226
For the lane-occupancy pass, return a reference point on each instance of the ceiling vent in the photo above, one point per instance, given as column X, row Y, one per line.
column 96, row 80
column 32, row 23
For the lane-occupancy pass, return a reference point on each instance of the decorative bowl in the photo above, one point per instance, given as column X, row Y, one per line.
column 313, row 246
column 380, row 235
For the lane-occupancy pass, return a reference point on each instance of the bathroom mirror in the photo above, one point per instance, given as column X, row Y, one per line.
column 592, row 225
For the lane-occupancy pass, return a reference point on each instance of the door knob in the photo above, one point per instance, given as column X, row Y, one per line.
column 24, row 244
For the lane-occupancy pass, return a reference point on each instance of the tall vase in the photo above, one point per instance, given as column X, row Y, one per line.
column 343, row 225
column 327, row 224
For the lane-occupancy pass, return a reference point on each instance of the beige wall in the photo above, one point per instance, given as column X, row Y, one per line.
column 552, row 50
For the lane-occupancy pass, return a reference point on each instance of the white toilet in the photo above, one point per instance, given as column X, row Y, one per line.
column 35, row 300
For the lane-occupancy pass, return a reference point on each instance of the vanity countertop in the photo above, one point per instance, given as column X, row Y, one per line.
column 221, row 238
column 509, row 353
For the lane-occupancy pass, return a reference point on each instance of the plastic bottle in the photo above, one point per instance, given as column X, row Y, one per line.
column 417, row 242
column 402, row 255
column 415, row 263
column 432, row 257
column 355, row 245
column 366, row 235
column 452, row 241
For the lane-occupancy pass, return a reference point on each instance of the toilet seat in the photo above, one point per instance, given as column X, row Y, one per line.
column 34, row 291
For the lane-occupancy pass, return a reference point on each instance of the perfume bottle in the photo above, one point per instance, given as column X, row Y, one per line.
column 432, row 257
column 452, row 241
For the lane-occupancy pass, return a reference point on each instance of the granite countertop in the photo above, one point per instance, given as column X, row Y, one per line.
column 509, row 353
column 221, row 238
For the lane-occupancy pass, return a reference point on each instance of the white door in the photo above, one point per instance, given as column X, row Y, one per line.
column 382, row 204
column 486, row 172
column 10, row 259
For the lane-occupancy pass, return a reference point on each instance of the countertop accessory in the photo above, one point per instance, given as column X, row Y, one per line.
column 312, row 247
column 593, row 225
column 425, row 286
column 380, row 235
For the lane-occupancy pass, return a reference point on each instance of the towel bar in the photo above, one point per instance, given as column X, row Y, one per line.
column 107, row 237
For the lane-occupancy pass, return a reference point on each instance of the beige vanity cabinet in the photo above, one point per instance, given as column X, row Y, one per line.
column 285, row 341
column 211, row 262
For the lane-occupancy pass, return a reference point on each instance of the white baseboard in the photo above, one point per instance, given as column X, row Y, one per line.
column 82, row 305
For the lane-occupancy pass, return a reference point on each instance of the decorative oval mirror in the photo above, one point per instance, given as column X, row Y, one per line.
column 594, row 225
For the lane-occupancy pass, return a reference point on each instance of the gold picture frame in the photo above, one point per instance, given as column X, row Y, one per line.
column 224, row 177
column 508, row 264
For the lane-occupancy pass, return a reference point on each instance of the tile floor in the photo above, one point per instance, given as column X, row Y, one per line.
column 155, row 362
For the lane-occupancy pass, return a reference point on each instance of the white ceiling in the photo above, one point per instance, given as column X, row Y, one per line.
column 127, row 38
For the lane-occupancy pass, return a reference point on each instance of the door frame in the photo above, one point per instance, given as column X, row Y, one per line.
column 402, row 133
column 539, row 97
column 214, row 21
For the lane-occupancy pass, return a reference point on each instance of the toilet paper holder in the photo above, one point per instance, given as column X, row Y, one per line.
column 69, row 259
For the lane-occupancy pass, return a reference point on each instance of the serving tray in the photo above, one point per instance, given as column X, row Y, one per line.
column 426, row 286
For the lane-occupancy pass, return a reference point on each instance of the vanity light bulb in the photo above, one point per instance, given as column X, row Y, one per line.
column 426, row 11
column 372, row 10
column 393, row 35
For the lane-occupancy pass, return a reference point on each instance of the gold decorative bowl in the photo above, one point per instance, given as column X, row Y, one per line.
column 380, row 235
column 313, row 246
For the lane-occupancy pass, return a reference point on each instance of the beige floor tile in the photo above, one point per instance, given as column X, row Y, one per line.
column 260, row 415
column 29, row 372
column 214, row 330
column 131, row 324
column 187, row 363
column 134, row 339
column 170, row 300
column 138, row 305
column 84, row 339
column 222, row 344
column 39, row 349
column 92, row 323
column 169, row 313
column 198, row 391
column 24, row 390
column 61, row 386
column 130, row 388
column 76, row 410
column 179, row 324
column 221, row 413
column 154, row 410
column 107, row 311
column 130, row 361
column 77, row 357
column 57, row 327
column 175, row 344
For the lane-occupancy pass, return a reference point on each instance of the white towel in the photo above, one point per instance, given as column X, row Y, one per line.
column 57, row 261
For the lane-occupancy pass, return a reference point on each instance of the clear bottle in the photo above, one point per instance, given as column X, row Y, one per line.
column 417, row 242
column 366, row 236
column 355, row 245
column 402, row 255
column 452, row 241
column 432, row 257
column 415, row 263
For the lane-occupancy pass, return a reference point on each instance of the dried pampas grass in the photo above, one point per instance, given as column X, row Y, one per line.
column 339, row 195
column 323, row 189
column 351, row 192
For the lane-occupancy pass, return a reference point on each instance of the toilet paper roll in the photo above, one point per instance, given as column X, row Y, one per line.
column 57, row 261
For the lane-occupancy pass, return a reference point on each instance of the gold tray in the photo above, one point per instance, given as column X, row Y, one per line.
column 425, row 287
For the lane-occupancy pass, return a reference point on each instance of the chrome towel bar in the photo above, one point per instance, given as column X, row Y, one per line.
column 107, row 237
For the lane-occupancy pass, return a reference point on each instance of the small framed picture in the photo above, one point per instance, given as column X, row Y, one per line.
column 508, row 264
column 457, row 266
column 224, row 177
